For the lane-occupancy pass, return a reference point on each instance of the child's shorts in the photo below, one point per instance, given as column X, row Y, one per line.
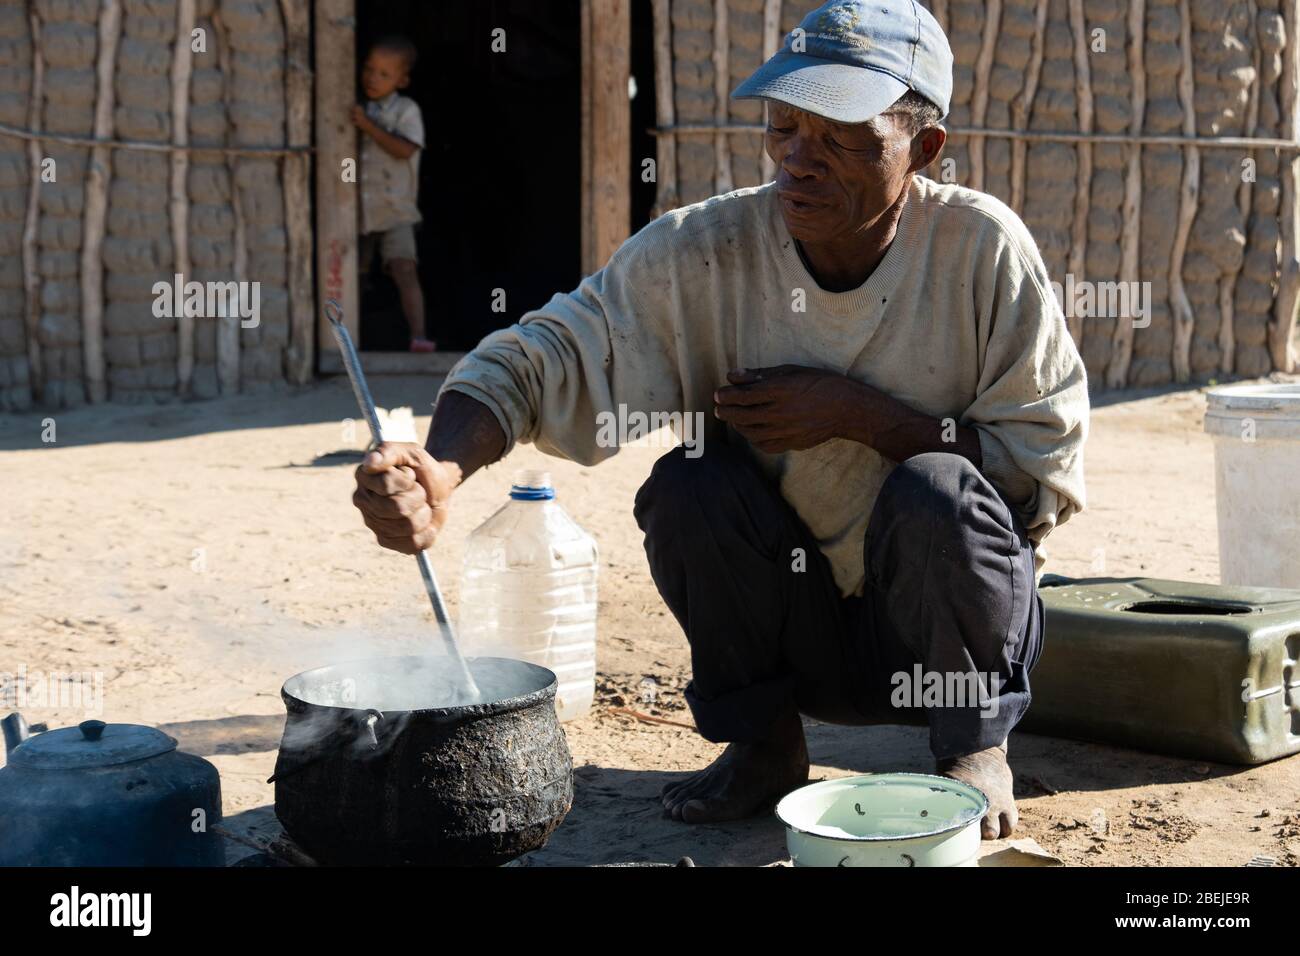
column 395, row 243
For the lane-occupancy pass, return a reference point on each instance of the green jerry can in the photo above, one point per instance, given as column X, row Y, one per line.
column 1193, row 670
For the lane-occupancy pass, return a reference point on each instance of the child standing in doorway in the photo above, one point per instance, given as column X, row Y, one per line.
column 390, row 164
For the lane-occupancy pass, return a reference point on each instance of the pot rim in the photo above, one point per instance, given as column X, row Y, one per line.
column 858, row 780
column 505, row 705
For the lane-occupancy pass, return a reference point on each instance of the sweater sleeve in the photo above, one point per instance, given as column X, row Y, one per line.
column 558, row 376
column 1031, row 408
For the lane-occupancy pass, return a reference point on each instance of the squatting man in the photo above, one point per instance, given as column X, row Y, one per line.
column 923, row 305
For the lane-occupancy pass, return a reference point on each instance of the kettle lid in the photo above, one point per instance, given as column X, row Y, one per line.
column 92, row 743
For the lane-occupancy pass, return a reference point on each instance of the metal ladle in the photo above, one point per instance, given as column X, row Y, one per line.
column 352, row 362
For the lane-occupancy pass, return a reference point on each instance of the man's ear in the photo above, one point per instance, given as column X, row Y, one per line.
column 927, row 147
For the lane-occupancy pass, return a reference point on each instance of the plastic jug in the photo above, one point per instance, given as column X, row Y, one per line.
column 528, row 591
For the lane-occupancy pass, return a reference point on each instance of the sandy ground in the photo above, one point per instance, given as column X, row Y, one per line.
column 196, row 555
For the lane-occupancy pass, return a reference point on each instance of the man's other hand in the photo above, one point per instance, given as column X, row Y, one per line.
column 787, row 408
column 403, row 494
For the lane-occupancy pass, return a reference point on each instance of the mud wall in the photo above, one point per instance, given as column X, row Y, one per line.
column 15, row 90
column 256, row 34
column 1162, row 171
column 139, row 347
column 1223, row 73
column 236, row 228
column 1112, row 96
column 745, row 54
column 1230, row 268
column 1256, row 286
column 235, row 216
column 68, row 40
column 693, row 96
column 212, row 218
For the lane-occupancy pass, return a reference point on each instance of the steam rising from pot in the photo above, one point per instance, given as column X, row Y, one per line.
column 405, row 684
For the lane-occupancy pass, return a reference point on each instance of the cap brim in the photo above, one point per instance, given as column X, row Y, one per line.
column 837, row 91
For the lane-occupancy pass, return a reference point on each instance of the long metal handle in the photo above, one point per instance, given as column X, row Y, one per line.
column 352, row 363
column 435, row 595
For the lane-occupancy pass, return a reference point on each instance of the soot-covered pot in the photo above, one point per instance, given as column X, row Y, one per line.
column 384, row 761
column 106, row 795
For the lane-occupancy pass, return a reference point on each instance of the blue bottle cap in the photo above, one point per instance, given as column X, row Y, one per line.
column 532, row 485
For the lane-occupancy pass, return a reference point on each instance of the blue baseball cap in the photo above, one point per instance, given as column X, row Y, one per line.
column 850, row 60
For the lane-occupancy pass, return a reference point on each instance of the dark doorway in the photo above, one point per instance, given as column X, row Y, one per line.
column 644, row 143
column 500, row 175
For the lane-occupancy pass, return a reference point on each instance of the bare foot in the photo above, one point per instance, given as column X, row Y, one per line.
column 988, row 770
column 744, row 780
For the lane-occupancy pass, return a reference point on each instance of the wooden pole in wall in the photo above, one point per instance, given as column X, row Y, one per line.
column 940, row 10
column 1245, row 199
column 1121, row 347
column 297, row 178
column 1078, row 259
column 771, row 43
column 1184, row 317
column 228, row 325
column 605, row 79
column 182, row 67
column 1281, row 330
column 980, row 91
column 31, row 275
column 587, row 205
column 95, row 206
column 722, row 182
column 336, row 143
column 1022, row 107
column 665, row 112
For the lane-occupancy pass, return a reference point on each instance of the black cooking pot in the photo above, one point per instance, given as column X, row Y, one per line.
column 383, row 761
column 106, row 795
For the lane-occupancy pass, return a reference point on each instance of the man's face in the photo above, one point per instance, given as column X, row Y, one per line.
column 836, row 179
column 384, row 72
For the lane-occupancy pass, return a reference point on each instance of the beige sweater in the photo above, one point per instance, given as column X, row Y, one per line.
column 958, row 320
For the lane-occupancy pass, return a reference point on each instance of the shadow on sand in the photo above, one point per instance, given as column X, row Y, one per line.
column 324, row 400
column 617, row 816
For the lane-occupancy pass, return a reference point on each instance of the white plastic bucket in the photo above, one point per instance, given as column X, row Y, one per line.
column 1256, row 431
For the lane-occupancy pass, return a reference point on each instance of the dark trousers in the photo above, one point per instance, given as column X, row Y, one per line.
column 949, row 597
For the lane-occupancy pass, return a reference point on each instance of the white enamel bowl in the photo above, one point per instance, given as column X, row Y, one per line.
column 884, row 819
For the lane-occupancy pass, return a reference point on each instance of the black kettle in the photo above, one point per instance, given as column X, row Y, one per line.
column 106, row 795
